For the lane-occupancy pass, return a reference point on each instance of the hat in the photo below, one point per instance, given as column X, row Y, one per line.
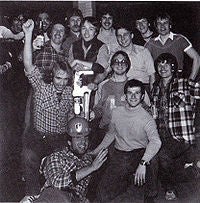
column 78, row 127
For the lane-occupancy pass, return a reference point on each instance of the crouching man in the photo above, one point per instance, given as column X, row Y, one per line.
column 67, row 172
column 136, row 140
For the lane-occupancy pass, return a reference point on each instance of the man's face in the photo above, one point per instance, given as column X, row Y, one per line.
column 88, row 31
column 16, row 25
column 75, row 23
column 134, row 96
column 165, row 70
column 44, row 17
column 80, row 144
column 163, row 26
column 124, row 37
column 120, row 65
column 142, row 25
column 107, row 21
column 58, row 34
column 60, row 80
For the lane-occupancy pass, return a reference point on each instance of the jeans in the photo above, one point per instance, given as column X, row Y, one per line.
column 35, row 147
column 118, row 175
column 172, row 157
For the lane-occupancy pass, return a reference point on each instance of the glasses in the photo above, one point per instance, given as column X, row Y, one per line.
column 122, row 63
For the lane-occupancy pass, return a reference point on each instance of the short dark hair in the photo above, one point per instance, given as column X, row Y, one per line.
column 105, row 11
column 125, row 56
column 93, row 21
column 73, row 12
column 123, row 25
column 162, row 15
column 134, row 83
column 169, row 59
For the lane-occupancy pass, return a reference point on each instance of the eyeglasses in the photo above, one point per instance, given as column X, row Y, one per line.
column 122, row 63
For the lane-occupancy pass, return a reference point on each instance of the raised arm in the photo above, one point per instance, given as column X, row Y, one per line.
column 28, row 30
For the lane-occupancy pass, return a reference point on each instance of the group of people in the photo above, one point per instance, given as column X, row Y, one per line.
column 142, row 110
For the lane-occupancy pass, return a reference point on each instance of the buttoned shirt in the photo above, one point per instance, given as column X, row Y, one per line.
column 60, row 172
column 142, row 65
column 50, row 114
column 179, row 107
column 47, row 56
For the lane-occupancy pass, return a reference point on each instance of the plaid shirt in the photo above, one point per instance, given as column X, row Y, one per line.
column 50, row 115
column 176, row 108
column 60, row 172
column 47, row 56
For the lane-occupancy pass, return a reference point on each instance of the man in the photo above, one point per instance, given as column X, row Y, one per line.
column 136, row 142
column 107, row 32
column 53, row 107
column 143, row 26
column 68, row 172
column 74, row 19
column 41, row 34
column 176, row 44
column 174, row 103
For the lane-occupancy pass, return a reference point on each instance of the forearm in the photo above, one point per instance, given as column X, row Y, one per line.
column 106, row 142
column 195, row 68
column 84, row 172
column 28, row 53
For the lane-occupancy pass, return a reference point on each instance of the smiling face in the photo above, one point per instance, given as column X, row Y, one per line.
column 142, row 25
column 60, row 80
column 57, row 34
column 134, row 96
column 165, row 70
column 119, row 65
column 88, row 31
column 80, row 144
column 124, row 37
column 107, row 21
column 75, row 23
column 163, row 26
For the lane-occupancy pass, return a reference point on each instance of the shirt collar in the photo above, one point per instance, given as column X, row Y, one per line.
column 171, row 36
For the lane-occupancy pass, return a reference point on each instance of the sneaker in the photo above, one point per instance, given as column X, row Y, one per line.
column 170, row 195
column 29, row 199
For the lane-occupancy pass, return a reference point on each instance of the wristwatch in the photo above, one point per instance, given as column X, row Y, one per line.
column 144, row 163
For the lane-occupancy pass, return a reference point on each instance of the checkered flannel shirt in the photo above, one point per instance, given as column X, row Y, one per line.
column 60, row 172
column 46, row 56
column 50, row 115
column 182, row 95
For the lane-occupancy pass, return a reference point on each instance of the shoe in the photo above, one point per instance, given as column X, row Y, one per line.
column 170, row 195
column 29, row 198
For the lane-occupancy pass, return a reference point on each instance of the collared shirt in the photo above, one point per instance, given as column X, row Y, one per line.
column 50, row 114
column 109, row 38
column 176, row 44
column 142, row 65
column 60, row 169
column 47, row 56
column 180, row 106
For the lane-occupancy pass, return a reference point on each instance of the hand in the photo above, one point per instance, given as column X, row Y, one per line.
column 100, row 159
column 140, row 175
column 28, row 26
column 20, row 35
column 92, row 115
column 92, row 86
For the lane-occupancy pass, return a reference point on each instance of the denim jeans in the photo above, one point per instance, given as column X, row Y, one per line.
column 118, row 175
column 172, row 157
column 35, row 147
